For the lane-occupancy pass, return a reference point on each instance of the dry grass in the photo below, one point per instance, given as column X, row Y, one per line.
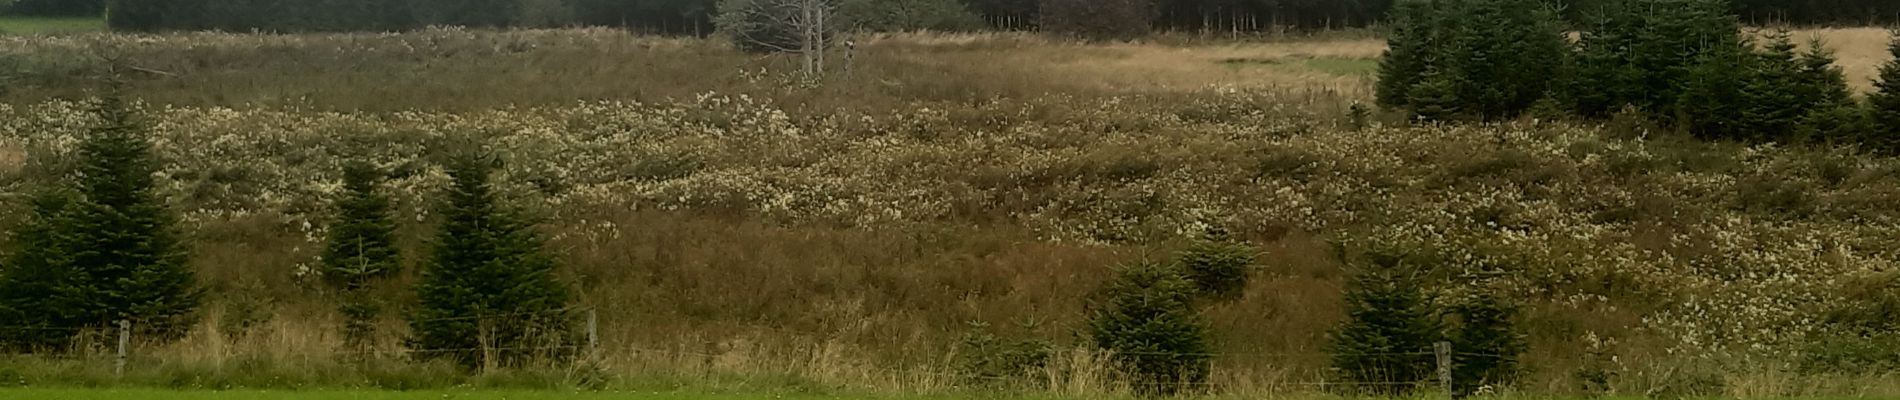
column 1861, row 51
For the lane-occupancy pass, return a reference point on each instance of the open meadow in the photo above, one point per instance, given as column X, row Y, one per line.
column 891, row 229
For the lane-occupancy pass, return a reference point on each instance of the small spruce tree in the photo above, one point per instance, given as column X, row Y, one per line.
column 1435, row 98
column 1885, row 103
column 1495, row 57
column 1147, row 321
column 1219, row 268
column 36, row 282
column 1487, row 343
column 105, row 251
column 1638, row 52
column 489, row 284
column 1408, row 47
column 1389, row 331
column 361, row 249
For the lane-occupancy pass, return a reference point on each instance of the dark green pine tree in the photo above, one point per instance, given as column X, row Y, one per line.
column 1409, row 46
column 1834, row 117
column 1148, row 323
column 361, row 249
column 1715, row 96
column 1885, row 102
column 489, row 284
column 128, row 246
column 1218, row 267
column 106, row 252
column 1387, row 338
column 1486, row 344
column 1435, row 98
column 37, row 283
column 1637, row 52
column 1777, row 96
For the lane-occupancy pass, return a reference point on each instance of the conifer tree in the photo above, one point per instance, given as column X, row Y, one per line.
column 1487, row 343
column 1408, row 47
column 1637, row 52
column 1885, row 103
column 1715, row 96
column 107, row 251
column 1219, row 268
column 489, row 284
column 1435, row 97
column 361, row 249
column 1777, row 95
column 36, row 281
column 1148, row 323
column 1389, row 331
column 1495, row 57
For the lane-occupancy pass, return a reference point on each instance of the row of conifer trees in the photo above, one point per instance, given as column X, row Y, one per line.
column 1687, row 63
column 105, row 249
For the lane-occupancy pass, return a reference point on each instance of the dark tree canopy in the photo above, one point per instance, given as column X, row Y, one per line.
column 104, row 250
column 489, row 284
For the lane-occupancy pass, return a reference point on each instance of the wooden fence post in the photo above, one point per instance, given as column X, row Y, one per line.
column 125, row 340
column 1443, row 351
column 593, row 336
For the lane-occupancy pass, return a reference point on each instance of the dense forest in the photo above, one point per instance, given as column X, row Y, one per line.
column 694, row 17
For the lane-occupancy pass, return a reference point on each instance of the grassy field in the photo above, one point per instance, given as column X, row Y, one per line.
column 728, row 219
column 39, row 26
column 157, row 394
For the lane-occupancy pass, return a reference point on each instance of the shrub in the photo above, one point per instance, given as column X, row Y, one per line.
column 1852, row 354
column 489, row 288
column 106, row 251
column 1097, row 19
column 985, row 357
column 1218, row 268
column 1147, row 320
column 1389, row 331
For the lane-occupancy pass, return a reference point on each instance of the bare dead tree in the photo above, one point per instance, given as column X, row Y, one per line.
column 802, row 27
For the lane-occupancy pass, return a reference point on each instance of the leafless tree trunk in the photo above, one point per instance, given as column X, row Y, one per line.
column 807, row 21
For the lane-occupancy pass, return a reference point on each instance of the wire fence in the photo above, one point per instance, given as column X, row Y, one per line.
column 592, row 351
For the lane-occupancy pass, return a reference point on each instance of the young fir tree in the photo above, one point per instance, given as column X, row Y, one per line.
column 1834, row 117
column 1487, row 343
column 1408, row 46
column 1219, row 268
column 1637, row 52
column 107, row 252
column 1716, row 95
column 1435, row 97
column 1885, row 103
column 361, row 249
column 488, row 295
column 37, row 278
column 1776, row 96
column 1148, row 323
column 1497, row 56
column 1389, row 331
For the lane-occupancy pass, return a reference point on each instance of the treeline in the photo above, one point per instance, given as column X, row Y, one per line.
column 1682, row 63
column 695, row 17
